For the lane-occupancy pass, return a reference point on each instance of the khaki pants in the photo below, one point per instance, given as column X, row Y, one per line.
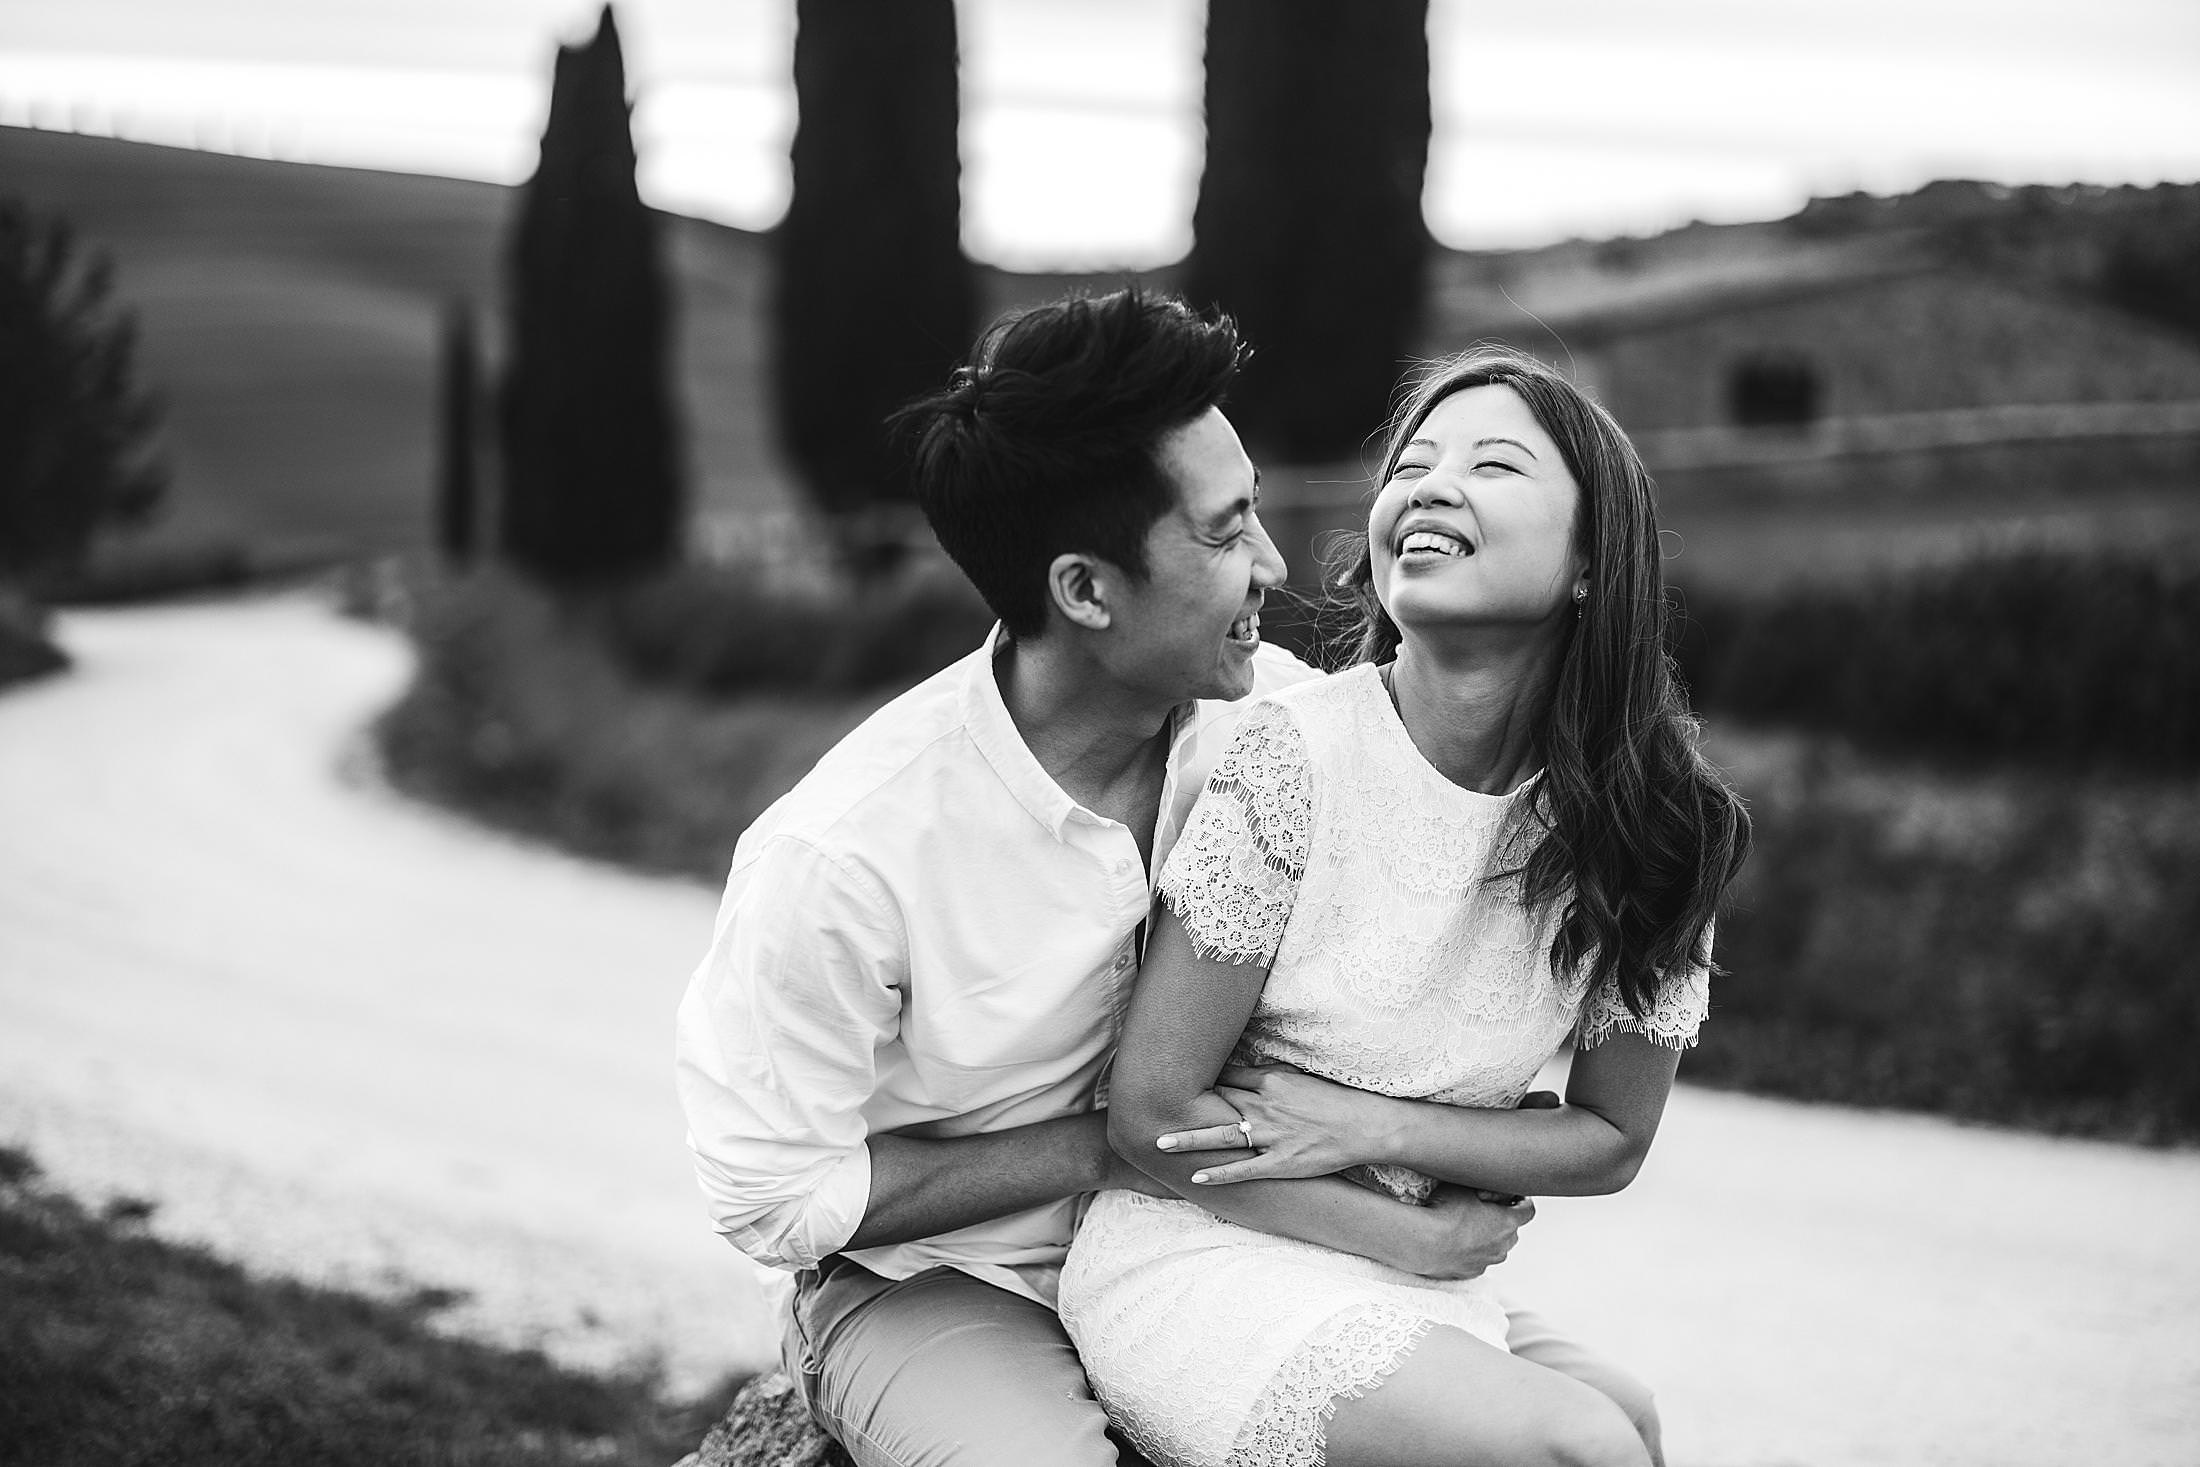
column 942, row 1368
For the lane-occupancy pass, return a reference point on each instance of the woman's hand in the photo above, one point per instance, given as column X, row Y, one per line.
column 1298, row 1125
column 1303, row 1126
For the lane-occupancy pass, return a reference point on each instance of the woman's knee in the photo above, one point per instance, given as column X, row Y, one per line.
column 1594, row 1432
column 1640, row 1407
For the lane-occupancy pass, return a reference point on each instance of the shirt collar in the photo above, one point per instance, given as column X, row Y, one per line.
column 985, row 714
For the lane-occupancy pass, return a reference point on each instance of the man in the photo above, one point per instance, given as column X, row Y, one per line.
column 893, row 1057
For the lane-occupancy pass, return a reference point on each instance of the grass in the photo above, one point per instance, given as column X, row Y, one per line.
column 117, row 1347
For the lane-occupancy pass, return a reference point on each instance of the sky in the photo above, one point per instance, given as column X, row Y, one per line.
column 1081, row 118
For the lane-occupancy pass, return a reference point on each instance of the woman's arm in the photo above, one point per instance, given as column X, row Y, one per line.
column 1305, row 1126
column 1185, row 1017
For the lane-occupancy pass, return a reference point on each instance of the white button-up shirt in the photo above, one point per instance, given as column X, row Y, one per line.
column 925, row 935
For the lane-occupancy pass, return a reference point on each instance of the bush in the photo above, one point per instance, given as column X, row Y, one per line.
column 2079, row 658
column 122, row 572
column 520, row 715
column 721, row 632
column 1999, row 947
column 25, row 652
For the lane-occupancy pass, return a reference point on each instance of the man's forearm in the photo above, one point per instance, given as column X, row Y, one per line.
column 922, row 1187
column 1328, row 1211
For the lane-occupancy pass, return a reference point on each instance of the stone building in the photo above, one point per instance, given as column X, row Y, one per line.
column 1917, row 380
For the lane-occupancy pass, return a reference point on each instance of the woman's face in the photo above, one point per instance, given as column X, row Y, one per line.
column 1475, row 528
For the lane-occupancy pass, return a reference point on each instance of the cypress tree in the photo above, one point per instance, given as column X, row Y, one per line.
column 458, row 496
column 1308, row 227
column 873, row 300
column 590, row 464
column 77, row 449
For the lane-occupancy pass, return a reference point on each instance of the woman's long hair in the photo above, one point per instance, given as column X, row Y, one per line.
column 1639, row 835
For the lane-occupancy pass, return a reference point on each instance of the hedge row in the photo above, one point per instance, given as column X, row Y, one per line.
column 2001, row 946
column 720, row 632
column 2077, row 658
column 520, row 716
column 2017, row 945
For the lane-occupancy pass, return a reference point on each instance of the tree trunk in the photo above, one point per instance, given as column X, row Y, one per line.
column 458, row 494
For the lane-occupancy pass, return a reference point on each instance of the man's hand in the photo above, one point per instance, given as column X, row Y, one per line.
column 1466, row 1234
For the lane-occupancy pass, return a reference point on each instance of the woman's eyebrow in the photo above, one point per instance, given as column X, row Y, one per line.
column 1480, row 443
column 1511, row 442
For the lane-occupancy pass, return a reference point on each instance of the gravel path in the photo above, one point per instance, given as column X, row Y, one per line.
column 347, row 1038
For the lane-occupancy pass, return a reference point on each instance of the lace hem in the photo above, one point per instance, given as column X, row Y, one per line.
column 1673, row 1020
column 1671, row 1035
column 1343, row 1360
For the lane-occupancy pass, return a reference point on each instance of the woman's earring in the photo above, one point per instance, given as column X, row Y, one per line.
column 1581, row 599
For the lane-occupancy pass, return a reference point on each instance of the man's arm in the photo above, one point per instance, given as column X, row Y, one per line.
column 922, row 1187
column 778, row 1036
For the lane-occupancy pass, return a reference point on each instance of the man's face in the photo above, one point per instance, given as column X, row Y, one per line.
column 1191, row 628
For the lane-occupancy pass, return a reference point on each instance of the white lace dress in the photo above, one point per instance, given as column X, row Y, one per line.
column 1326, row 846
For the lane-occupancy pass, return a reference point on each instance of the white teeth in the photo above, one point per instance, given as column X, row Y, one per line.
column 1431, row 540
column 1245, row 628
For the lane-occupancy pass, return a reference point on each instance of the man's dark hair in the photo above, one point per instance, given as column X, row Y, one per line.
column 1046, row 442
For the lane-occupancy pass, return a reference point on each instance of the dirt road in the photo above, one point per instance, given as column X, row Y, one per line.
column 341, row 1036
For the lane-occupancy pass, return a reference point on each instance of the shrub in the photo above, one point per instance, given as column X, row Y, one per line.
column 25, row 652
column 719, row 631
column 122, row 571
column 1996, row 946
column 2079, row 658
column 520, row 714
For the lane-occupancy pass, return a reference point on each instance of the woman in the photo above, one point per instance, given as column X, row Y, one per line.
column 1415, row 879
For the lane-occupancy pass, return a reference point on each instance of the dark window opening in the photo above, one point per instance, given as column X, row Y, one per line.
column 1774, row 392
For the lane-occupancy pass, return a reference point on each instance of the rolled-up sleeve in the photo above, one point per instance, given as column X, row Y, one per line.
column 777, row 1041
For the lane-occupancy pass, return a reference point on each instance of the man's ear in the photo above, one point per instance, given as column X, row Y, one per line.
column 1078, row 584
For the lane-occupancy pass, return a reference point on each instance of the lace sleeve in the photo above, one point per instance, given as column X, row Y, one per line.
column 1673, row 1020
column 1235, row 872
